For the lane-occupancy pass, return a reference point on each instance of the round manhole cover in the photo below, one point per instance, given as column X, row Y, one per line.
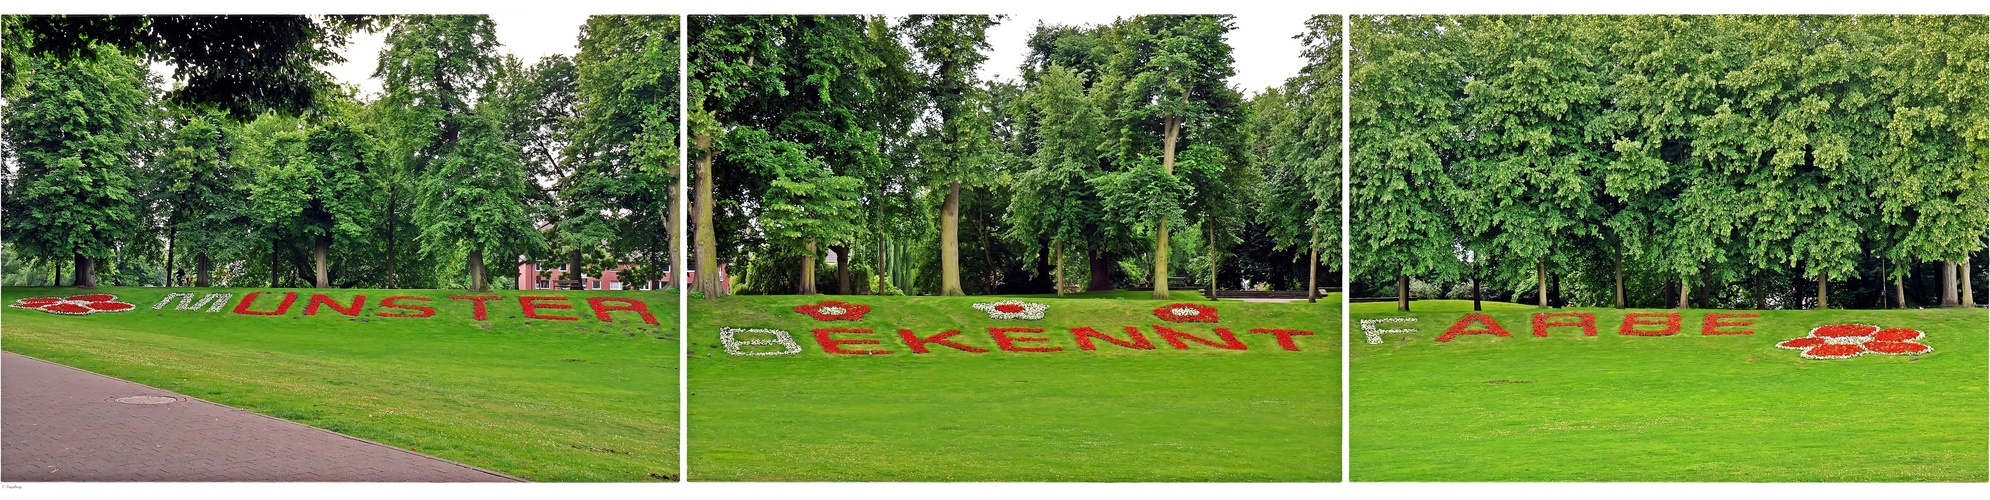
column 144, row 400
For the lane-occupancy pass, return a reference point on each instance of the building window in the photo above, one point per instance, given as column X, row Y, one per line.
column 543, row 285
column 614, row 285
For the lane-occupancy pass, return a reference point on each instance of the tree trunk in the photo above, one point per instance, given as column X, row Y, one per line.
column 323, row 272
column 1161, row 261
column 842, row 268
column 1948, row 284
column 86, row 272
column 987, row 255
column 1968, row 293
column 573, row 271
column 883, row 267
column 201, row 267
column 1685, row 292
column 1541, row 276
column 1170, row 129
column 1101, row 275
column 171, row 234
column 57, row 266
column 1555, row 291
column 272, row 264
column 1313, row 268
column 708, row 282
column 393, row 196
column 1475, row 287
column 1705, row 293
column 675, row 218
column 1760, row 301
column 950, row 243
column 1823, row 291
column 1212, row 256
column 1060, row 269
column 1900, row 290
column 808, row 268
column 1619, row 270
column 1402, row 292
column 478, row 282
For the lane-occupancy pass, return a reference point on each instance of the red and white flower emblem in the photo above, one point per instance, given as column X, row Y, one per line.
column 77, row 305
column 1186, row 313
column 1013, row 309
column 1853, row 340
column 832, row 310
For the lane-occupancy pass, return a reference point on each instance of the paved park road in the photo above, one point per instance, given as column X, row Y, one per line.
column 63, row 424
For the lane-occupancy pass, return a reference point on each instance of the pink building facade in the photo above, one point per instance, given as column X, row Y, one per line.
column 530, row 279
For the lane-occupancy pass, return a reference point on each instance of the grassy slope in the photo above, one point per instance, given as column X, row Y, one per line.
column 1681, row 408
column 545, row 401
column 1113, row 414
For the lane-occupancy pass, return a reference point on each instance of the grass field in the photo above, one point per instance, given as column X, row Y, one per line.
column 1687, row 407
column 1113, row 414
column 543, row 400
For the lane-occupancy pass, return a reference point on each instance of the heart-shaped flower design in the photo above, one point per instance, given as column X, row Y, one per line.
column 832, row 310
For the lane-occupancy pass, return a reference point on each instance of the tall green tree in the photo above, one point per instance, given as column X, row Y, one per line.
column 71, row 129
column 471, row 204
column 203, row 195
column 1055, row 200
column 735, row 64
column 951, row 49
column 433, row 70
column 626, row 138
column 242, row 65
column 1406, row 80
column 1296, row 133
column 1174, row 68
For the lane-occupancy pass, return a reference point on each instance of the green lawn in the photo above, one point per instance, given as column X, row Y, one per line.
column 545, row 400
column 1687, row 407
column 1113, row 414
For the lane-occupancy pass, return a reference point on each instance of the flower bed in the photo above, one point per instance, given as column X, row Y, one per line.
column 1492, row 327
column 1186, row 313
column 833, row 310
column 729, row 336
column 1374, row 335
column 1632, row 320
column 1013, row 309
column 75, row 305
column 1544, row 321
column 1854, row 340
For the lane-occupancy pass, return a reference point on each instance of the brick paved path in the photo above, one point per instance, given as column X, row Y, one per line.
column 61, row 425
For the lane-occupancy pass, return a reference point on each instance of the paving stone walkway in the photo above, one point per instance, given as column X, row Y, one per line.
column 64, row 424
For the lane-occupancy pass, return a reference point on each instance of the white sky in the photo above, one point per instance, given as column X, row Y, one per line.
column 1262, row 44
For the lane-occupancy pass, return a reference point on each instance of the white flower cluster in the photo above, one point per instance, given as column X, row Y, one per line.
column 781, row 338
column 1030, row 310
column 1374, row 334
column 187, row 304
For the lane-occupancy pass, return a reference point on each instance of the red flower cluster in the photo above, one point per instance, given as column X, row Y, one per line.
column 1852, row 340
column 1186, row 313
column 832, row 310
column 1585, row 320
column 78, row 305
column 1492, row 327
column 1631, row 320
